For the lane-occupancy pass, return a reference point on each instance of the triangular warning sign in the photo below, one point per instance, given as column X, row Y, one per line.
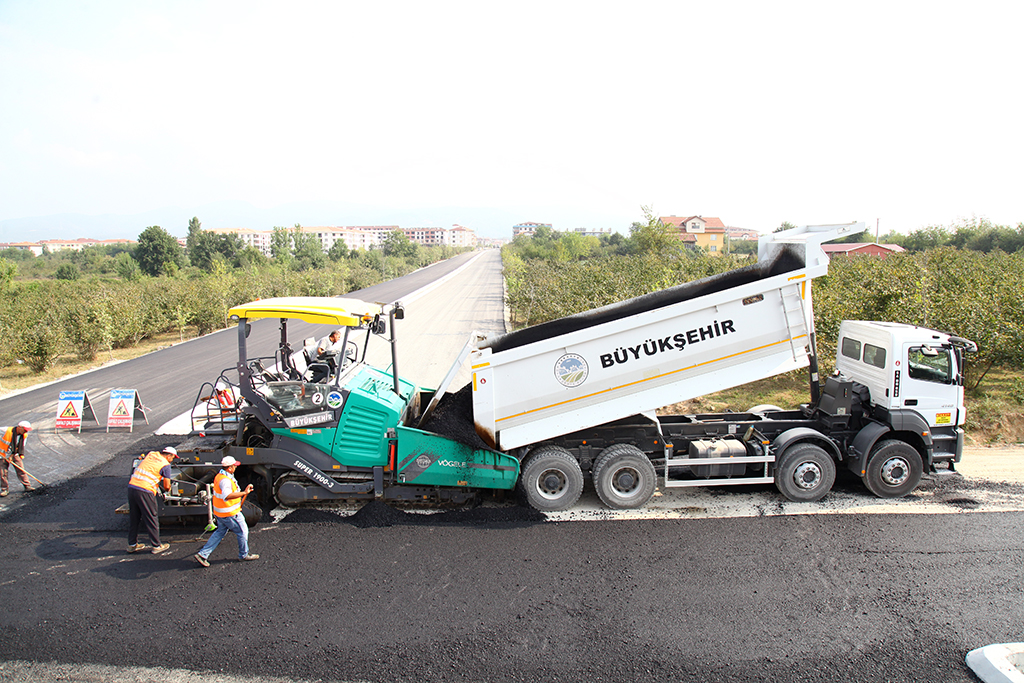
column 120, row 411
column 69, row 411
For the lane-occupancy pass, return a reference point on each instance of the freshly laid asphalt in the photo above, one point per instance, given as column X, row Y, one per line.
column 497, row 593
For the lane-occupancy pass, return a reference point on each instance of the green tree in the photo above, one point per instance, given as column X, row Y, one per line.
column 8, row 271
column 395, row 243
column 157, row 247
column 653, row 237
column 126, row 267
column 249, row 256
column 199, row 245
column 281, row 244
column 67, row 271
column 338, row 251
column 309, row 251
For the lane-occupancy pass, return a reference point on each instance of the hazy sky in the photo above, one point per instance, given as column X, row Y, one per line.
column 755, row 112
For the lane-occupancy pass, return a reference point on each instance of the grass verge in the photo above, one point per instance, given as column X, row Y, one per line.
column 18, row 376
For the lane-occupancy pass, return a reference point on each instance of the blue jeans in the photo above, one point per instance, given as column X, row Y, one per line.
column 224, row 525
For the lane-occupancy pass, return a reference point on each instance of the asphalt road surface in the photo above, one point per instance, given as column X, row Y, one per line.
column 497, row 593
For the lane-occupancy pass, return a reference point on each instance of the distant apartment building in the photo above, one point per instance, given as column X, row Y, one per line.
column 257, row 239
column 528, row 229
column 52, row 246
column 355, row 237
column 708, row 233
column 461, row 237
column 742, row 234
column 360, row 236
column 593, row 232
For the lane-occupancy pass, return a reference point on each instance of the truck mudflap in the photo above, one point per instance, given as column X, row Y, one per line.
column 428, row 459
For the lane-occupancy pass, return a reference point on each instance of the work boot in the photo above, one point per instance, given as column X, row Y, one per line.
column 202, row 560
column 29, row 489
column 4, row 493
column 250, row 556
column 161, row 548
column 136, row 548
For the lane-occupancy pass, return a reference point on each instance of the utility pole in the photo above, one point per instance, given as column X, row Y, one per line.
column 876, row 229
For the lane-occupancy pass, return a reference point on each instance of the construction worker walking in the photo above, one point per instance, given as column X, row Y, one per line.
column 12, row 448
column 227, row 508
column 151, row 474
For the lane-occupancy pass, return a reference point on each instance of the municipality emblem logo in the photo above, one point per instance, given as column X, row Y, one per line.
column 571, row 370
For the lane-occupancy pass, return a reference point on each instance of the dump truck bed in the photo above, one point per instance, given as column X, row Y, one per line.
column 636, row 356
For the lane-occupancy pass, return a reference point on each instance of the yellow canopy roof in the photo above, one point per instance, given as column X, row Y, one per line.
column 319, row 310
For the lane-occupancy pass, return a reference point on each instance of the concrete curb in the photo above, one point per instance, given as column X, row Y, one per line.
column 998, row 663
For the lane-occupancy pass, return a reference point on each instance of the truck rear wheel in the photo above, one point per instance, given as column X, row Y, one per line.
column 893, row 470
column 805, row 473
column 624, row 477
column 551, row 479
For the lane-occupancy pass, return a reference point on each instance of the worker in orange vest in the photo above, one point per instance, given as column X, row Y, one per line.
column 227, row 508
column 151, row 474
column 12, row 449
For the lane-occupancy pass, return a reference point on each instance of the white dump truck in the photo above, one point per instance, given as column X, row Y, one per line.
column 580, row 394
column 551, row 404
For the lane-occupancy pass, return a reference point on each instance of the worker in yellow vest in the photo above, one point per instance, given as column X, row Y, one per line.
column 151, row 474
column 227, row 508
column 12, row 452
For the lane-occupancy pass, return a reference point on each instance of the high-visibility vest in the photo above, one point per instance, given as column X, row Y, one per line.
column 147, row 474
column 6, row 439
column 221, row 506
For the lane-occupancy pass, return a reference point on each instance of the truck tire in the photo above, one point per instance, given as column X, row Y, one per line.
column 624, row 477
column 608, row 453
column 805, row 473
column 551, row 479
column 764, row 408
column 894, row 469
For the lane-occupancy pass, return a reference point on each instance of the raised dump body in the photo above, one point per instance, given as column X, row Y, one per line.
column 636, row 356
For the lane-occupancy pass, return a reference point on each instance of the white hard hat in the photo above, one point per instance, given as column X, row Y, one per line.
column 228, row 461
column 26, row 425
column 170, row 450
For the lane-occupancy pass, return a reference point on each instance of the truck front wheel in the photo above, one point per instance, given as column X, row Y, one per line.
column 805, row 473
column 624, row 477
column 551, row 479
column 894, row 469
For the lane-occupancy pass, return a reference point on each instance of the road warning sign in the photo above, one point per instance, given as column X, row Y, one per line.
column 72, row 407
column 125, row 406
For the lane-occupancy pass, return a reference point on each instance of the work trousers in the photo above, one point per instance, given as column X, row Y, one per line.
column 19, row 467
column 224, row 525
column 142, row 512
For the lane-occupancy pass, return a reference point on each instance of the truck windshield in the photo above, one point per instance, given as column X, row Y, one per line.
column 930, row 364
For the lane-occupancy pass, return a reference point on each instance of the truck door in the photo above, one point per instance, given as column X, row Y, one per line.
column 930, row 384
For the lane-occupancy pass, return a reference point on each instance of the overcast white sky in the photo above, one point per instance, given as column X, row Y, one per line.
column 755, row 112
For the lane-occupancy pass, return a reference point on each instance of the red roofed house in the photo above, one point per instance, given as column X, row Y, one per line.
column 706, row 233
column 868, row 248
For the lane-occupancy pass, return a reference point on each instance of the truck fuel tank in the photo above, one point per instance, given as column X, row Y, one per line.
column 718, row 448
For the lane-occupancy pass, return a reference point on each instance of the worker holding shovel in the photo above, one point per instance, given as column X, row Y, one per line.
column 12, row 450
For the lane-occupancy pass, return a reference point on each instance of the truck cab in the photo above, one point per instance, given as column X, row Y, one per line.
column 914, row 378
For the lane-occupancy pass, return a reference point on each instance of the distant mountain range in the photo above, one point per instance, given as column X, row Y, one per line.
column 486, row 222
